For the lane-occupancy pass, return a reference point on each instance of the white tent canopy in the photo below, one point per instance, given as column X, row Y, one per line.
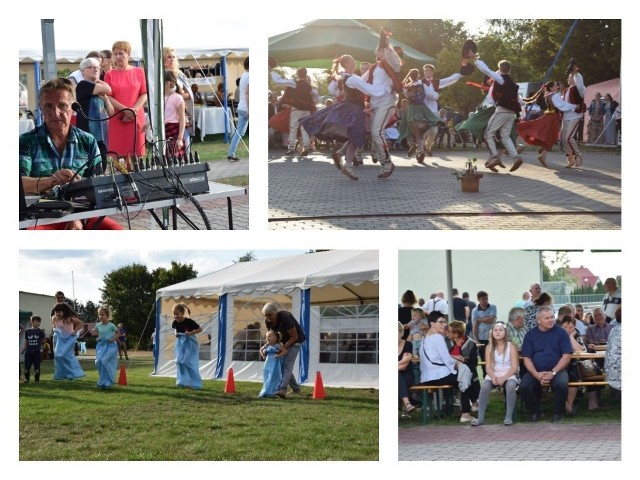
column 283, row 275
column 342, row 345
column 76, row 56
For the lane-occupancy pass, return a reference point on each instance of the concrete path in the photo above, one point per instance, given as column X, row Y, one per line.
column 541, row 441
column 215, row 210
column 311, row 193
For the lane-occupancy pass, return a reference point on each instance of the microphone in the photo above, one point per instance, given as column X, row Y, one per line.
column 76, row 107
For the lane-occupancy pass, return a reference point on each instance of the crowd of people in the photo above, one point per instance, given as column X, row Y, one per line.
column 371, row 106
column 99, row 113
column 531, row 348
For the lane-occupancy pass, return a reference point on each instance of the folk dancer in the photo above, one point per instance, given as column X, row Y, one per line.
column 432, row 88
column 574, row 94
column 505, row 94
column 544, row 130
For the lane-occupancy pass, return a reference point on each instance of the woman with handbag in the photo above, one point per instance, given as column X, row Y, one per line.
column 437, row 366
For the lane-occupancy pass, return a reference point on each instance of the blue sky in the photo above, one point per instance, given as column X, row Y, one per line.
column 46, row 271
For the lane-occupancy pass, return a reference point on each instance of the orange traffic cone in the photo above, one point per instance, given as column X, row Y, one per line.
column 318, row 388
column 123, row 377
column 230, row 386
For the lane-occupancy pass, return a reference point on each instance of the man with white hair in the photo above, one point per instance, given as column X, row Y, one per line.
column 546, row 353
column 437, row 303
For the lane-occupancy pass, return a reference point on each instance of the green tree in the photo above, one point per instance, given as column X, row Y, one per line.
column 129, row 292
column 87, row 312
column 176, row 274
column 247, row 257
column 556, row 268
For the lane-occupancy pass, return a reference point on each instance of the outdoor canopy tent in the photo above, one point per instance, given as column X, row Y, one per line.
column 319, row 42
column 301, row 284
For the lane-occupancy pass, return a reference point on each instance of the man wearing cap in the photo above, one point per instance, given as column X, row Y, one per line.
column 612, row 300
column 546, row 352
column 508, row 103
column 574, row 94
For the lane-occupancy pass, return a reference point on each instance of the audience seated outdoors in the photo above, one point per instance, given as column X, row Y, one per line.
column 517, row 359
column 438, row 367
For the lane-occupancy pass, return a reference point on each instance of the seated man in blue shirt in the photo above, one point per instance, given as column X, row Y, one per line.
column 57, row 153
column 546, row 352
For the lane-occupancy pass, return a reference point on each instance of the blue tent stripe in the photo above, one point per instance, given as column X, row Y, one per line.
column 222, row 335
column 156, row 343
column 305, row 322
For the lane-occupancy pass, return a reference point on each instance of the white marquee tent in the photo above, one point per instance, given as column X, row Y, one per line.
column 333, row 294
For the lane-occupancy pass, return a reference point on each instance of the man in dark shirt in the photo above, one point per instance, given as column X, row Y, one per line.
column 546, row 352
column 460, row 307
column 292, row 337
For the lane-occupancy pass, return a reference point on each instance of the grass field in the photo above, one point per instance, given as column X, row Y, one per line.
column 213, row 148
column 152, row 419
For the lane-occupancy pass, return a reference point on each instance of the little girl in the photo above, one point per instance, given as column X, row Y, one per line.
column 187, row 360
column 106, row 349
column 502, row 367
column 66, row 328
column 272, row 373
column 174, row 116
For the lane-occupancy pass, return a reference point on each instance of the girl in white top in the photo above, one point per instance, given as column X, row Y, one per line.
column 502, row 369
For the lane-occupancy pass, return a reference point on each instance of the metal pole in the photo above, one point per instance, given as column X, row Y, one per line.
column 73, row 287
column 449, row 285
column 564, row 43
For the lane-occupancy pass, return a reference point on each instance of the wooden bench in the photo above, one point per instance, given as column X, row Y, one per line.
column 597, row 383
column 428, row 411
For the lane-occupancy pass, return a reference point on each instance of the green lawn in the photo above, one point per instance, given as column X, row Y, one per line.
column 151, row 419
column 213, row 148
column 609, row 413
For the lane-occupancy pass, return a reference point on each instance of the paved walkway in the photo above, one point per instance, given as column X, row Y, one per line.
column 310, row 193
column 215, row 210
column 541, row 441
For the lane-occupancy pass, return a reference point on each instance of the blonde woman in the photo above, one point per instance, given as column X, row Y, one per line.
column 502, row 368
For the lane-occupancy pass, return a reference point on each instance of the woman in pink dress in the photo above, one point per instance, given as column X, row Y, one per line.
column 128, row 95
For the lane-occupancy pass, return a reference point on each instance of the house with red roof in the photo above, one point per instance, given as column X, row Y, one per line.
column 583, row 277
